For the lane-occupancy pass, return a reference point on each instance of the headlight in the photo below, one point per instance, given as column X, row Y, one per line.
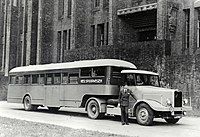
column 168, row 102
column 185, row 101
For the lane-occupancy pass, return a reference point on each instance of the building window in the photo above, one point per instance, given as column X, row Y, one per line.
column 107, row 33
column 198, row 30
column 60, row 9
column 69, row 39
column 187, row 28
column 100, row 34
column 96, row 3
column 92, row 35
column 69, row 8
column 65, row 39
column 59, row 45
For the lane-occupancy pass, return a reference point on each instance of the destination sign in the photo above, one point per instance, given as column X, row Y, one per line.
column 91, row 81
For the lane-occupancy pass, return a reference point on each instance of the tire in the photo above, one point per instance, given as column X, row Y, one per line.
column 27, row 104
column 93, row 110
column 53, row 109
column 172, row 120
column 144, row 115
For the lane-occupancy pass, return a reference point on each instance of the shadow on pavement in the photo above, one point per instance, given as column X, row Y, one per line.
column 107, row 117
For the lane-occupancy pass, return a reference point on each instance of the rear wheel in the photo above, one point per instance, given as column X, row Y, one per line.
column 144, row 115
column 172, row 120
column 93, row 110
column 27, row 104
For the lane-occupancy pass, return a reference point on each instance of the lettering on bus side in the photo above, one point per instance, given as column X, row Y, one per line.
column 92, row 81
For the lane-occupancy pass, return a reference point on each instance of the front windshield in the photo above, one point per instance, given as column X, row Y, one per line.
column 147, row 80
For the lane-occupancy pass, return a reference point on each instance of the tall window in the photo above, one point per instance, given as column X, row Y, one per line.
column 92, row 34
column 69, row 39
column 65, row 39
column 198, row 30
column 60, row 9
column 59, row 45
column 107, row 33
column 187, row 28
column 96, row 3
column 69, row 8
column 100, row 34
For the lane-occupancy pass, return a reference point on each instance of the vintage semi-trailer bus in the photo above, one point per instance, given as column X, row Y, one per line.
column 94, row 85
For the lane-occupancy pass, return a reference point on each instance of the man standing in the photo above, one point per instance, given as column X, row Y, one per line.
column 124, row 103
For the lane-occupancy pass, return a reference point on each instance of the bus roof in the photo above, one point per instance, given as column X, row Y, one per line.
column 139, row 72
column 75, row 64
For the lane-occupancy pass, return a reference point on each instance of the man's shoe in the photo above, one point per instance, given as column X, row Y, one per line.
column 123, row 123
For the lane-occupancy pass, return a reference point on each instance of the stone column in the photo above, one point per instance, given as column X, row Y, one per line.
column 8, row 25
column 4, row 36
column 39, row 32
column 29, row 29
column 111, row 20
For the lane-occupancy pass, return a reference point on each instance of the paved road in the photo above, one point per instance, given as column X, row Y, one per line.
column 77, row 118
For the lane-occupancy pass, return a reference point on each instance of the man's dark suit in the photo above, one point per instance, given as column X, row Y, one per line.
column 124, row 104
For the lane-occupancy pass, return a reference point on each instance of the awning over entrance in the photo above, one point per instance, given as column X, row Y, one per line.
column 197, row 3
column 137, row 9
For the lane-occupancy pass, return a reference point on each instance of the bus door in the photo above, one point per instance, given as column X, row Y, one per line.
column 52, row 91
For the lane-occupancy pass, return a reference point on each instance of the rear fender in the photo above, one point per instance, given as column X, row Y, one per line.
column 101, row 102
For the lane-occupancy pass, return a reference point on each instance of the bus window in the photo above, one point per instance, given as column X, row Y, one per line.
column 12, row 79
column 130, row 80
column 86, row 72
column 27, row 79
column 19, row 80
column 49, row 79
column 65, row 78
column 73, row 78
column 98, row 71
column 42, row 79
column 57, row 78
column 116, row 75
column 35, row 79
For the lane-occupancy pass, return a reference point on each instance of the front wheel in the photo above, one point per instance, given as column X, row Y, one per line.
column 144, row 115
column 93, row 110
column 172, row 120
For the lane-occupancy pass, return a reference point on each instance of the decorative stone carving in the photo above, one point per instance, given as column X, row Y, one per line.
column 172, row 16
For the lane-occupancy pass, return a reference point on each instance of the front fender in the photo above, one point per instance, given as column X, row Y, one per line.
column 153, row 104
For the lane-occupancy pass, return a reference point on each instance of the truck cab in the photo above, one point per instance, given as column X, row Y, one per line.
column 151, row 100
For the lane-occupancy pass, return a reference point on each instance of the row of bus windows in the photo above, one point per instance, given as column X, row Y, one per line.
column 48, row 79
column 58, row 78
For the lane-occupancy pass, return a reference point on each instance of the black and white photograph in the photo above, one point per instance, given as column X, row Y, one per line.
column 99, row 68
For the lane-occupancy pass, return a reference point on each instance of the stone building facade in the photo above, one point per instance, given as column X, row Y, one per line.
column 156, row 35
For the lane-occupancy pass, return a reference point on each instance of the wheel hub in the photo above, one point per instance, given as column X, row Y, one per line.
column 143, row 114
